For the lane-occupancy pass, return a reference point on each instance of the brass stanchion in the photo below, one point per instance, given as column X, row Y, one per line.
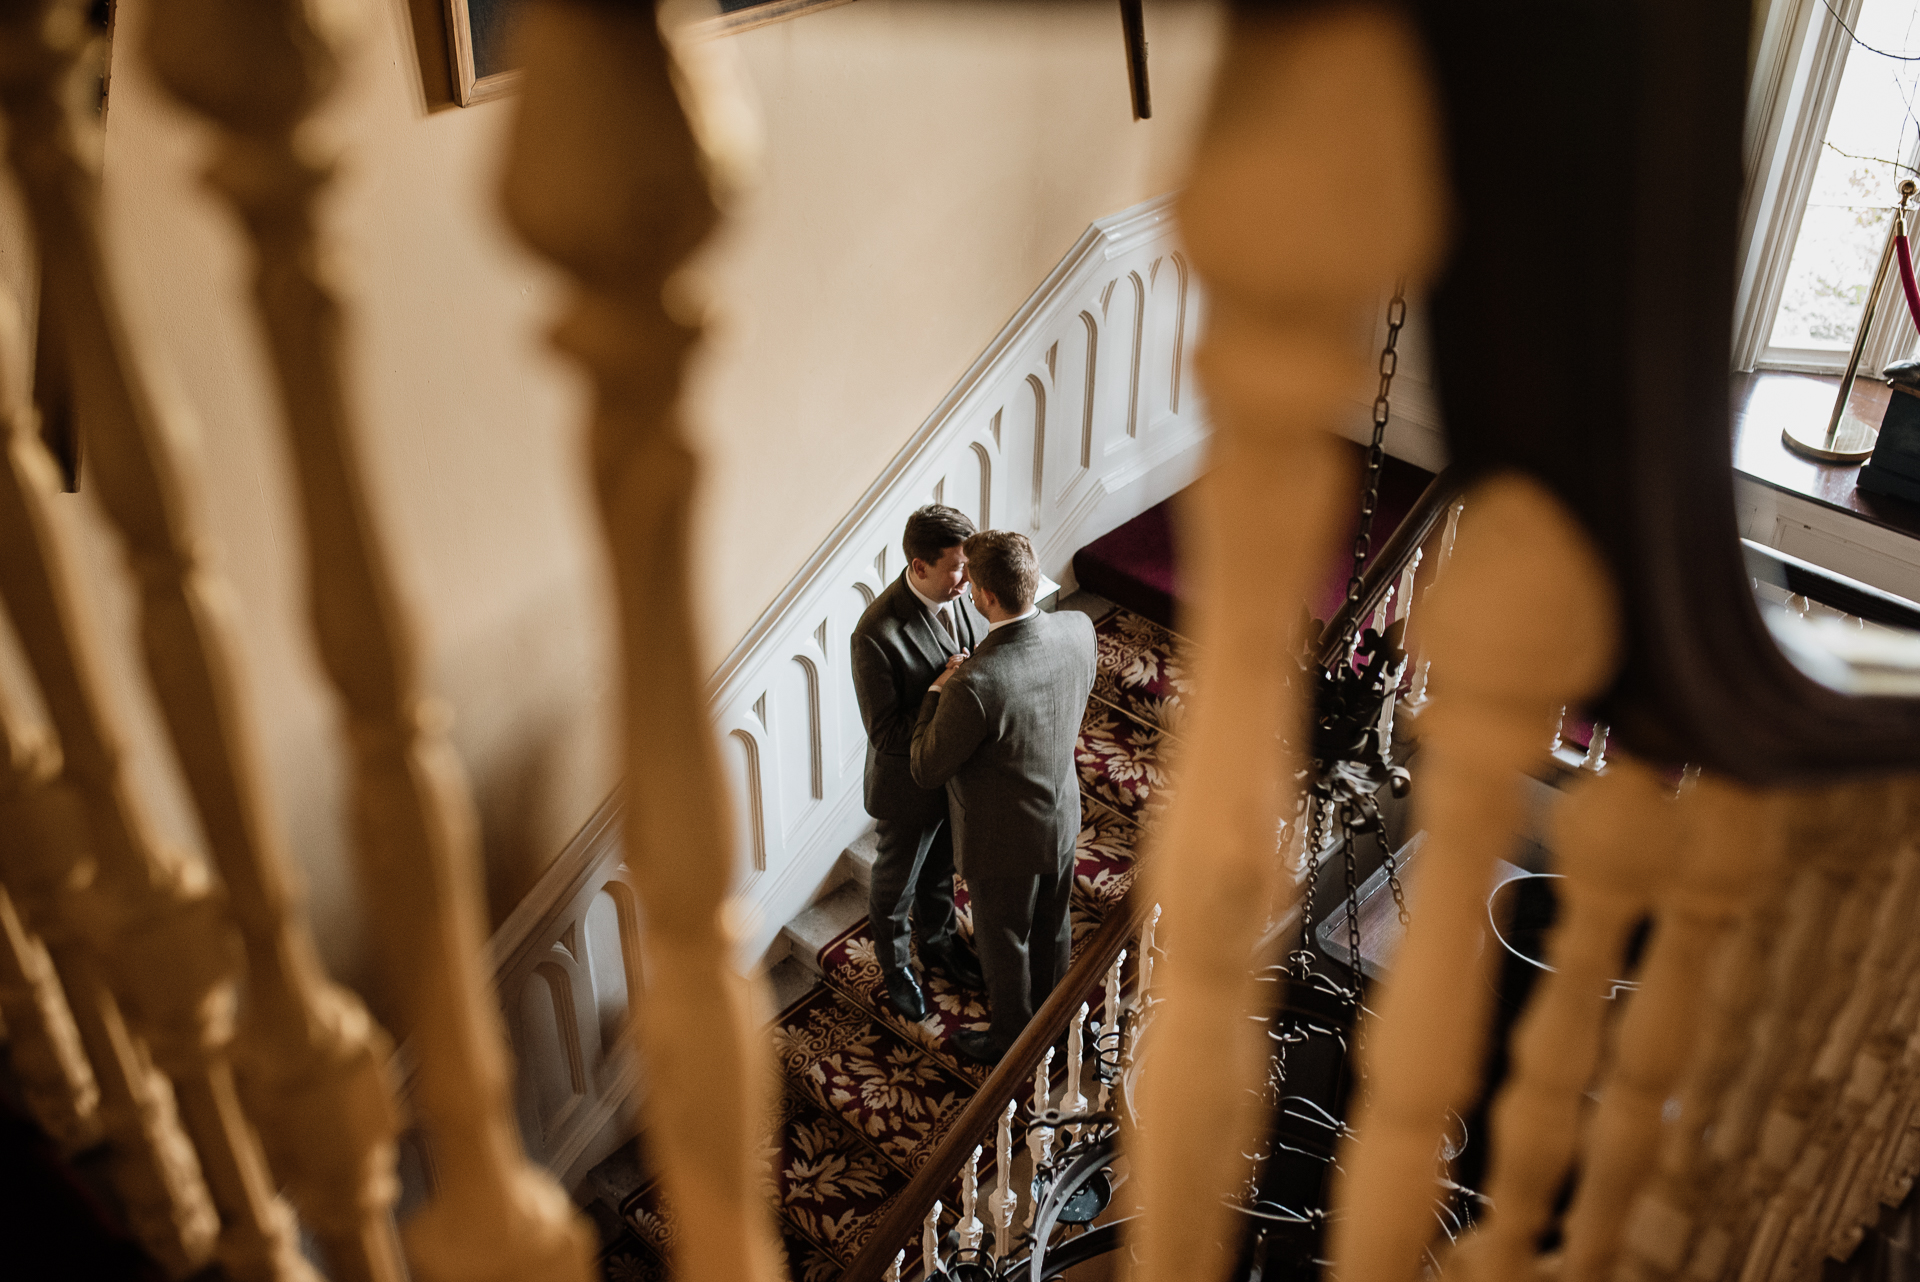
column 1848, row 439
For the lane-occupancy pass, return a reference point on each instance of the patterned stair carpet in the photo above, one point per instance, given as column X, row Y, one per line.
column 869, row 1095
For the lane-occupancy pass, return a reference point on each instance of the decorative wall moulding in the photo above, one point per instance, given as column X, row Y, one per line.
column 1079, row 415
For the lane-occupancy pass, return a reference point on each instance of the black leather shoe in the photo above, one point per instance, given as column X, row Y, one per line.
column 978, row 1047
column 903, row 993
column 956, row 962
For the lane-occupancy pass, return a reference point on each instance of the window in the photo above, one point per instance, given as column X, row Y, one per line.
column 1833, row 125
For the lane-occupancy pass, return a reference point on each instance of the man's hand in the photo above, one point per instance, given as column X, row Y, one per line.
column 953, row 663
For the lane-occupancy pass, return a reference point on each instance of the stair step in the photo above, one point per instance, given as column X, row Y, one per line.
column 791, row 980
column 822, row 923
column 857, row 859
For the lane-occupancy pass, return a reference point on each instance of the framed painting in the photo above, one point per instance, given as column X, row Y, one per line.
column 481, row 32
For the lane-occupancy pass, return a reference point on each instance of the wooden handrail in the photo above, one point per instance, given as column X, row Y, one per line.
column 1009, row 1077
column 1383, row 569
column 1014, row 1072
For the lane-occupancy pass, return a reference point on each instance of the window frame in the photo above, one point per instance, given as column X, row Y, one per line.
column 1799, row 54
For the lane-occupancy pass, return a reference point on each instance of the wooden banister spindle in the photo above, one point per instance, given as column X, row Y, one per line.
column 970, row 1231
column 1722, row 853
column 257, row 69
column 43, row 1037
column 316, row 1061
column 1423, row 662
column 1301, row 99
column 609, row 176
column 1796, row 1148
column 1667, row 1225
column 43, row 1043
column 1803, row 994
column 930, row 1242
column 1615, row 841
column 1039, row 1138
column 157, row 926
column 1004, row 1202
column 49, row 871
column 1523, row 621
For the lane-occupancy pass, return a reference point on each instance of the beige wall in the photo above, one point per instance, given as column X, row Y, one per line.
column 926, row 164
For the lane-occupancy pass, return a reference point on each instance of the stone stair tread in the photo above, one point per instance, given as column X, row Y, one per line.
column 858, row 858
column 789, row 981
column 824, row 921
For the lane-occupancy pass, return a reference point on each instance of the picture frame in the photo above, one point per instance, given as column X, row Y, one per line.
column 479, row 34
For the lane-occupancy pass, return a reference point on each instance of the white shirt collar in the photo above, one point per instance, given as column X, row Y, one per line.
column 933, row 606
column 995, row 627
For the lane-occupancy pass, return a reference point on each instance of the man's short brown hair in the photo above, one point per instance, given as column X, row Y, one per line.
column 1002, row 563
column 933, row 529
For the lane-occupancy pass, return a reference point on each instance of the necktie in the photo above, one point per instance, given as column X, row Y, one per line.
column 946, row 621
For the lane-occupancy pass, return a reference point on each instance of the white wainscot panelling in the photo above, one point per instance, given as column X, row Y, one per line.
column 1081, row 414
column 1841, row 542
column 565, row 988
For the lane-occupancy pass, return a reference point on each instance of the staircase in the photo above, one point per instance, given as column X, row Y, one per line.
column 867, row 1095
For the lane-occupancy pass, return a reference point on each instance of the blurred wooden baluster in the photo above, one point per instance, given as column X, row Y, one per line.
column 316, row 1062
column 43, row 1039
column 1670, row 1223
column 47, row 867
column 1522, row 622
column 1297, row 237
column 43, row 1043
column 1879, row 1090
column 1807, row 1128
column 611, row 174
column 156, row 924
column 1722, row 855
column 1615, row 841
column 1809, row 974
column 257, row 68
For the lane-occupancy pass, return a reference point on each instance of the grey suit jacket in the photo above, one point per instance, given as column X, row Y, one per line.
column 1001, row 737
column 897, row 652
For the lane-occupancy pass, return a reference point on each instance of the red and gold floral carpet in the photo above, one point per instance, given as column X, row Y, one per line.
column 868, row 1095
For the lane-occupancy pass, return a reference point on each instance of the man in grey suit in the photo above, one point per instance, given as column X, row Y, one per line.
column 902, row 642
column 997, row 729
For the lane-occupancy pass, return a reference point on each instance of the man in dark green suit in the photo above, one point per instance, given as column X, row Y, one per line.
column 997, row 729
column 902, row 642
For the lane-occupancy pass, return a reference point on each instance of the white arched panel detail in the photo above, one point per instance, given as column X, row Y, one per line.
column 743, row 769
column 1176, row 351
column 1118, row 384
column 985, row 517
column 1039, row 391
column 1090, row 400
column 551, row 1074
column 609, row 957
column 795, row 729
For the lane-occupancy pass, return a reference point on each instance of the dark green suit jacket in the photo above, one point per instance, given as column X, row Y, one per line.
column 1000, row 737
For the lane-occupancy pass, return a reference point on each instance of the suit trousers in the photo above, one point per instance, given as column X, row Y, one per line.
column 1023, row 931
column 914, row 869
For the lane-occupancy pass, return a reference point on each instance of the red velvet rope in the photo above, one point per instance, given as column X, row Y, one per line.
column 1905, row 255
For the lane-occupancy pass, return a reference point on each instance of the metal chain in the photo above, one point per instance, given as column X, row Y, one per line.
column 1353, row 897
column 1393, row 879
column 1300, row 961
column 1376, row 453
